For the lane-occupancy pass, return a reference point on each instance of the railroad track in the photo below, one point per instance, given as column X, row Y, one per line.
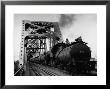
column 41, row 71
column 45, row 70
column 35, row 71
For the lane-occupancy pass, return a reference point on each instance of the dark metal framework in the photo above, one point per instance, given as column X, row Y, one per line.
column 4, row 3
column 34, row 42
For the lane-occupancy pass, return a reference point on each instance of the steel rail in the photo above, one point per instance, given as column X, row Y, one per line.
column 46, row 70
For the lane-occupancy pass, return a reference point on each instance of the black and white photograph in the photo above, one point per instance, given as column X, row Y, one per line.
column 55, row 45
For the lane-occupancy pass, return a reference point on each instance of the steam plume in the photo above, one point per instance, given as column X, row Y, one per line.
column 66, row 20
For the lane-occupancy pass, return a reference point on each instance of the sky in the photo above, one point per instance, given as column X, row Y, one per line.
column 71, row 25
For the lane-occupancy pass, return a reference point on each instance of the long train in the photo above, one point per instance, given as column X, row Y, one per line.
column 72, row 57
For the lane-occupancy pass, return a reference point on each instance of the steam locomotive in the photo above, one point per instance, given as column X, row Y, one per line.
column 72, row 57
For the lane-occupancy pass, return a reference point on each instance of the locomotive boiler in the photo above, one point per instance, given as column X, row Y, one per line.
column 71, row 56
column 74, row 52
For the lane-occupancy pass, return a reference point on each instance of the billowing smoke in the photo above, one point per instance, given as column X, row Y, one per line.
column 66, row 20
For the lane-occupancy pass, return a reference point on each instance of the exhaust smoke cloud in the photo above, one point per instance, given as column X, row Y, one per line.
column 66, row 20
